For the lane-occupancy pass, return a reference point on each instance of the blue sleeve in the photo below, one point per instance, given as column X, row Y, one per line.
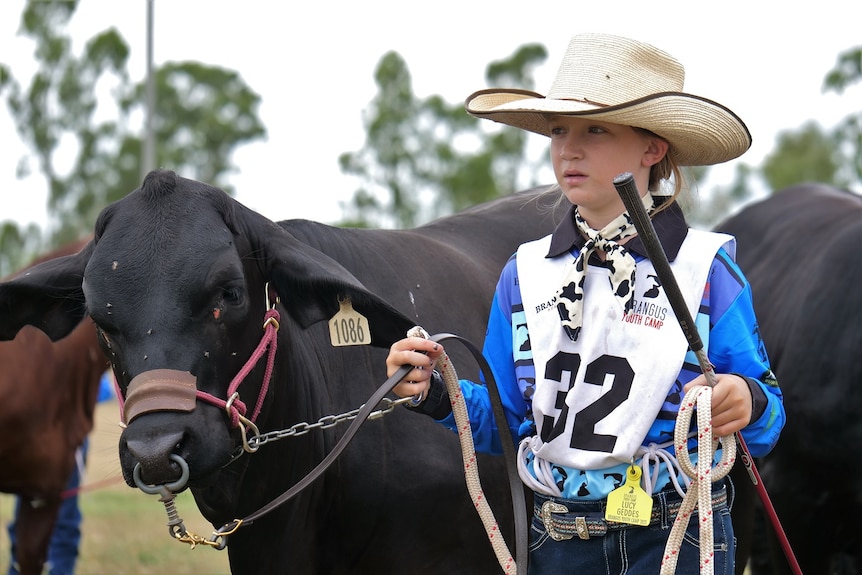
column 735, row 346
column 498, row 351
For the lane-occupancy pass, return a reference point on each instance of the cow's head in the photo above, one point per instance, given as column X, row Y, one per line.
column 176, row 281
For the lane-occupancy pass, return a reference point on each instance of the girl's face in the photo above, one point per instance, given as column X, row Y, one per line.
column 587, row 155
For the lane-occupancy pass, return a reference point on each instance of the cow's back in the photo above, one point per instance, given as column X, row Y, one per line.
column 442, row 274
column 800, row 249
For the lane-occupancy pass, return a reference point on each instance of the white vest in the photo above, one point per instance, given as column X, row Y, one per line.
column 596, row 398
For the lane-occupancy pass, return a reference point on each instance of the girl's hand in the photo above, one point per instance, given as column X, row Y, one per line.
column 409, row 351
column 731, row 403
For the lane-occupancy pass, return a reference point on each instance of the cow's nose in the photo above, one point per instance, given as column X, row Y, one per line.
column 154, row 456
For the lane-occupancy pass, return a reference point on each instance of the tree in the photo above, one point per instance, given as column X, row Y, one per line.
column 424, row 158
column 808, row 154
column 813, row 154
column 848, row 134
column 202, row 114
column 61, row 99
column 17, row 244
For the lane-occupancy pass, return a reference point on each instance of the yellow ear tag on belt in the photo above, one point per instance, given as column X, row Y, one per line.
column 348, row 326
column 629, row 503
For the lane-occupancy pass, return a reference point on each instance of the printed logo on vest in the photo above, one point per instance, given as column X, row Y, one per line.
column 547, row 305
column 647, row 313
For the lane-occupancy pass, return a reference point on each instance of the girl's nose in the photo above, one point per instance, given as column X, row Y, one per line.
column 571, row 149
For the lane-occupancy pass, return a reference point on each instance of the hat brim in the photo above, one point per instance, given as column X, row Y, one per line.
column 700, row 132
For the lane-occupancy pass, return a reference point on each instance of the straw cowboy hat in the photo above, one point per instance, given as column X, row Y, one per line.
column 623, row 81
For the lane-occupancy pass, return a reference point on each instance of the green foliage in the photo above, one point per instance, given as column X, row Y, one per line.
column 60, row 102
column 848, row 134
column 424, row 158
column 201, row 115
column 847, row 71
column 812, row 154
column 19, row 244
column 805, row 155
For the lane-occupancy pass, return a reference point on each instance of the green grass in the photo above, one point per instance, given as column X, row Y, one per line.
column 124, row 531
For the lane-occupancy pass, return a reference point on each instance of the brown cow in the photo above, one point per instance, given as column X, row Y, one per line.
column 48, row 394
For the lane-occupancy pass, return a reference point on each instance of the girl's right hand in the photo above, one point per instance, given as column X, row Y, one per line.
column 422, row 354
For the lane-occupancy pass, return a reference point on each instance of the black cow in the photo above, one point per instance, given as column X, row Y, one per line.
column 176, row 279
column 801, row 248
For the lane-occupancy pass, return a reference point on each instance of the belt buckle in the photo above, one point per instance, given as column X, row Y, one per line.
column 549, row 507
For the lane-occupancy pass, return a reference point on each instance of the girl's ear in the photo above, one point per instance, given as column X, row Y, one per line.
column 655, row 152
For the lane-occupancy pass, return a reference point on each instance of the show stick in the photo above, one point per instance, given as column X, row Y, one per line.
column 628, row 191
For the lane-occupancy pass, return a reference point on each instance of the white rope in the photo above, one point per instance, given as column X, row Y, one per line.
column 541, row 480
column 700, row 490
column 468, row 452
column 652, row 456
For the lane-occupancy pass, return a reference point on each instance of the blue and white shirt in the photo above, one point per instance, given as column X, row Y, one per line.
column 584, row 443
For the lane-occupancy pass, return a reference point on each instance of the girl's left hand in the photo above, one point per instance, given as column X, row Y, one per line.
column 731, row 403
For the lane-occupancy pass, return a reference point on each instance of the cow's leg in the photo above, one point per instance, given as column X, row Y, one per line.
column 33, row 527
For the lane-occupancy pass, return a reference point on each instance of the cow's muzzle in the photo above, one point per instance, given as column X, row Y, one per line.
column 160, row 390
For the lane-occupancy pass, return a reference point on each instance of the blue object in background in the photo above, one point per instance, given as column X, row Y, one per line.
column 106, row 388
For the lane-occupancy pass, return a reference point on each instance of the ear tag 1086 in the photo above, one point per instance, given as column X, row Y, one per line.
column 348, row 326
column 629, row 503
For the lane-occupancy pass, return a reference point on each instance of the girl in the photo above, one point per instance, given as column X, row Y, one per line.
column 590, row 360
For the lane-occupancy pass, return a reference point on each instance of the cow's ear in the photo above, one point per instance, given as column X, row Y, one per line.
column 47, row 296
column 310, row 285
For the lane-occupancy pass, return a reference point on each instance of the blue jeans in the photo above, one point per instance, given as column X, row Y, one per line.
column 63, row 549
column 632, row 550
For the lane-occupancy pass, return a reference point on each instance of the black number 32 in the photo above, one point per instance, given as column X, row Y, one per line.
column 584, row 434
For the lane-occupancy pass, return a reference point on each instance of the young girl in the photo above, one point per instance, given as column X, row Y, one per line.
column 590, row 360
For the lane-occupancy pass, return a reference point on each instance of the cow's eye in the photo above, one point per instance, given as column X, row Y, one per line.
column 103, row 338
column 232, row 296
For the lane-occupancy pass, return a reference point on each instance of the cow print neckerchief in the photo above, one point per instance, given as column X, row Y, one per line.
column 620, row 262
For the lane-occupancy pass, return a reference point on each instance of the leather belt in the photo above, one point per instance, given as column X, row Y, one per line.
column 564, row 524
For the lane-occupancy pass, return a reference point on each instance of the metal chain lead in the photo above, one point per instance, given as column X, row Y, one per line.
column 324, row 422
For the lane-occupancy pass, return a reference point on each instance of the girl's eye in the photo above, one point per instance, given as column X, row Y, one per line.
column 597, row 130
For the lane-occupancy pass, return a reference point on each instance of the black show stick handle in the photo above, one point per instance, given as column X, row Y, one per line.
column 628, row 191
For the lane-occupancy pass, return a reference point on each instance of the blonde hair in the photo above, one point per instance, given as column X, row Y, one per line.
column 665, row 170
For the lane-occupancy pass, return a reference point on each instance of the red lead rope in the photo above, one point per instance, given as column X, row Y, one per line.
column 238, row 408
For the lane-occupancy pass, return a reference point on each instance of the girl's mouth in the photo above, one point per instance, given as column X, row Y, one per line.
column 574, row 176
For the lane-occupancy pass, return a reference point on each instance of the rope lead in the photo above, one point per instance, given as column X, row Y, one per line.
column 468, row 452
column 700, row 491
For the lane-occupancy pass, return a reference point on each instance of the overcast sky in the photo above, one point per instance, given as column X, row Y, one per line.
column 312, row 63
